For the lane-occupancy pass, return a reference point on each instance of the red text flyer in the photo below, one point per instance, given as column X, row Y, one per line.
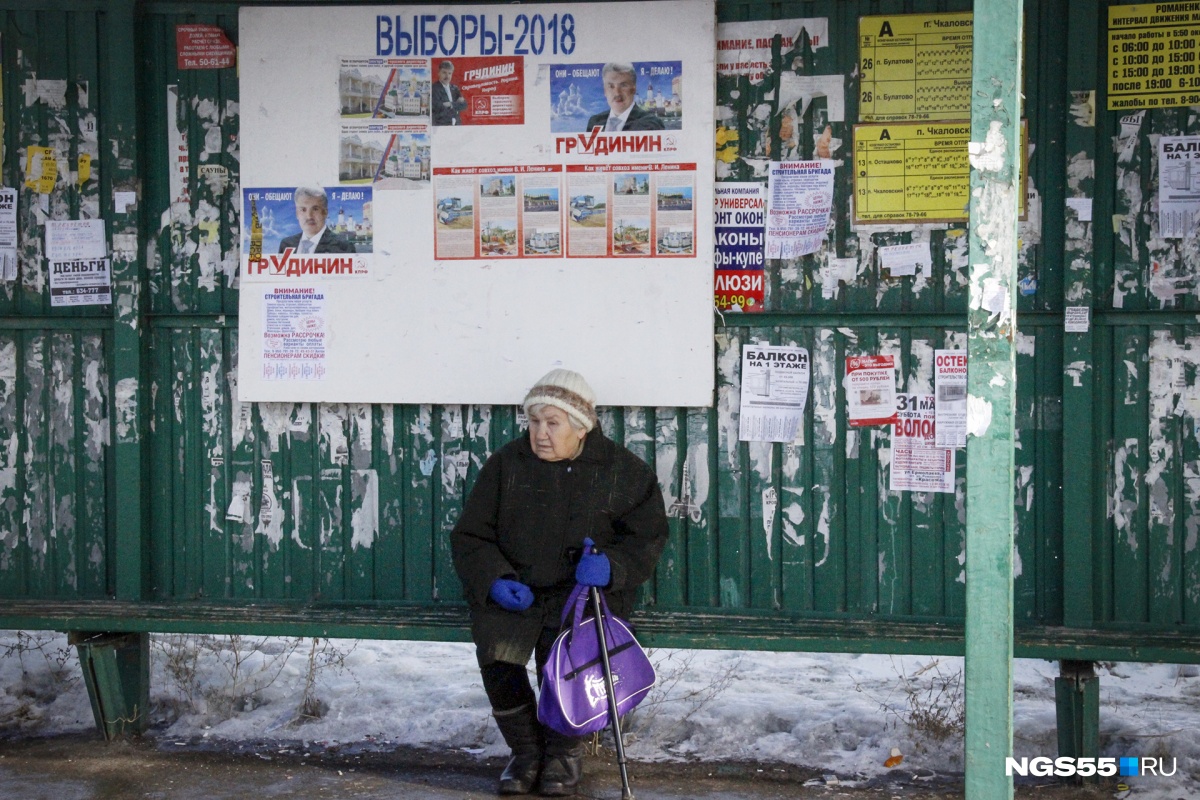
column 950, row 391
column 918, row 465
column 870, row 385
column 203, row 47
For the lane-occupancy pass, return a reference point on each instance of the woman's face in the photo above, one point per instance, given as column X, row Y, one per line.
column 552, row 435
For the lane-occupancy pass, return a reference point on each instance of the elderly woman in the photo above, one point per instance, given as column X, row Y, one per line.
column 519, row 550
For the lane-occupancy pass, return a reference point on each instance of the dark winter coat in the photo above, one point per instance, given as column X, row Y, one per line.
column 527, row 518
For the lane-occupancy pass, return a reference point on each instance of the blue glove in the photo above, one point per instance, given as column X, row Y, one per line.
column 593, row 569
column 511, row 595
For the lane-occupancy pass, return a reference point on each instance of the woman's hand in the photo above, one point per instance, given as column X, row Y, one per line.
column 593, row 569
column 511, row 595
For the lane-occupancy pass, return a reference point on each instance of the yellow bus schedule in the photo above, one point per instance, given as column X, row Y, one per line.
column 915, row 67
column 1153, row 55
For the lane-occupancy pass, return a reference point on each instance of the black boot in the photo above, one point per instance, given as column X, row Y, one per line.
column 523, row 734
column 563, row 765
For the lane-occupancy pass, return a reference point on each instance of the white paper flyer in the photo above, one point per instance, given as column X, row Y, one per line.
column 72, row 239
column 1178, row 185
column 800, row 198
column 295, row 323
column 950, row 391
column 774, row 390
column 8, row 234
column 81, row 282
column 917, row 465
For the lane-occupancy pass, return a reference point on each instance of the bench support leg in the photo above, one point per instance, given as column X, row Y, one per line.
column 1077, row 698
column 116, row 669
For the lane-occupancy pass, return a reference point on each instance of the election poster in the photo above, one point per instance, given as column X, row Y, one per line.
column 774, row 391
column 870, row 386
column 384, row 155
column 918, row 464
column 950, row 392
column 800, row 200
column 1178, row 185
column 384, row 88
column 739, row 230
column 579, row 97
column 492, row 88
column 522, row 181
column 304, row 231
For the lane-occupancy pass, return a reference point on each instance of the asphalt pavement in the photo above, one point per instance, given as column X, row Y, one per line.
column 84, row 767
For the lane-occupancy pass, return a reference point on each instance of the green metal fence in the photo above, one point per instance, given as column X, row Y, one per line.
column 137, row 492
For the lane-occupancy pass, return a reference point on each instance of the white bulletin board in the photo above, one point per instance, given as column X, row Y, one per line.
column 481, row 235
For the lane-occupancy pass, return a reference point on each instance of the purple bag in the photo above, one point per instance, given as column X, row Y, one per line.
column 574, row 700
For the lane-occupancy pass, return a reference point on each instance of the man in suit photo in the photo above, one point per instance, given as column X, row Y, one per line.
column 620, row 90
column 312, row 210
column 448, row 99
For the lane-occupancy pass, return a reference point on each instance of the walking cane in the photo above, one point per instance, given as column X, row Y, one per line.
column 613, row 717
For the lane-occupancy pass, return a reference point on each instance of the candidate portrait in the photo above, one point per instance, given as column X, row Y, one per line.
column 312, row 212
column 624, row 113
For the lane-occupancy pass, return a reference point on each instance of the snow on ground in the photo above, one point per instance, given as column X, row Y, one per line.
column 839, row 713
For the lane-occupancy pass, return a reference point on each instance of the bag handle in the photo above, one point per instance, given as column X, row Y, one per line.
column 577, row 603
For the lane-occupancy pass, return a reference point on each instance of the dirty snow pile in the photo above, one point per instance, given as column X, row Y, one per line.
column 846, row 715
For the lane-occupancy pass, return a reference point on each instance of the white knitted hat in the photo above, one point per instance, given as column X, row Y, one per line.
column 567, row 390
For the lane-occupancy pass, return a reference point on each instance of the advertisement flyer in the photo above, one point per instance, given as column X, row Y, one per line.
column 384, row 155
column 774, row 390
column 1178, row 185
column 384, row 88
column 203, row 47
column 81, row 282
column 950, row 391
column 305, row 231
column 917, row 464
column 739, row 232
column 294, row 333
column 898, row 260
column 915, row 66
column 73, row 239
column 800, row 200
column 1153, row 55
column 870, row 385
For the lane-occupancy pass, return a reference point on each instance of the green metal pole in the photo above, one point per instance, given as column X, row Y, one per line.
column 120, row 178
column 991, row 388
